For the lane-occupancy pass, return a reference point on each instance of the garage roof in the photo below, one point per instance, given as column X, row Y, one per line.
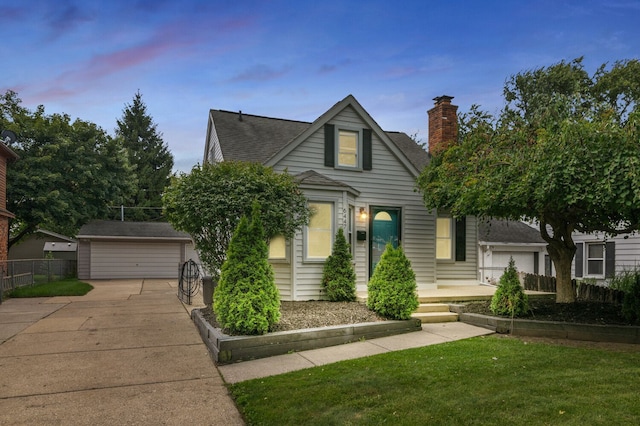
column 133, row 230
column 497, row 231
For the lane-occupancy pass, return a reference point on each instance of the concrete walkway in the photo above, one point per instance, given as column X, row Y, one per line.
column 126, row 353
column 431, row 334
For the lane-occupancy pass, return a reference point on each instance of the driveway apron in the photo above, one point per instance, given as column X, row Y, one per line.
column 126, row 353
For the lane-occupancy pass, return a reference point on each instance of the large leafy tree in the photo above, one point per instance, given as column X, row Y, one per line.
column 67, row 173
column 149, row 156
column 209, row 202
column 564, row 151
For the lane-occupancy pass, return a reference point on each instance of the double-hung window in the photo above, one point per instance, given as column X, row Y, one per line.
column 319, row 231
column 595, row 259
column 444, row 238
column 348, row 147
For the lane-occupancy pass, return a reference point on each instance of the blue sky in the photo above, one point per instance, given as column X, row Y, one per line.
column 292, row 59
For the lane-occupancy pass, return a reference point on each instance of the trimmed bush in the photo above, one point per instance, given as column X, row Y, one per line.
column 246, row 300
column 392, row 288
column 338, row 276
column 509, row 298
column 631, row 302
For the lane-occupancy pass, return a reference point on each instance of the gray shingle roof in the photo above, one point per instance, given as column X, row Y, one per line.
column 246, row 137
column 116, row 228
column 313, row 178
column 253, row 138
column 507, row 231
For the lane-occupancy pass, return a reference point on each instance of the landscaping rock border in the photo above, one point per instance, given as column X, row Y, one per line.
column 225, row 349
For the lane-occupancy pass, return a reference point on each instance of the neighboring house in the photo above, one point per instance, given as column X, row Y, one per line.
column 42, row 242
column 358, row 177
column 6, row 155
column 116, row 249
column 601, row 258
column 500, row 240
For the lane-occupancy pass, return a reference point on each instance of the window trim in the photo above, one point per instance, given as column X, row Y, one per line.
column 287, row 251
column 451, row 238
column 359, row 149
column 587, row 258
column 332, row 203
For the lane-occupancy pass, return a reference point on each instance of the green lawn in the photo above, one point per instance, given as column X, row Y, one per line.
column 66, row 287
column 483, row 381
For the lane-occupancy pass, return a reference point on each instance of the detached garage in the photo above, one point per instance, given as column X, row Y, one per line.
column 116, row 249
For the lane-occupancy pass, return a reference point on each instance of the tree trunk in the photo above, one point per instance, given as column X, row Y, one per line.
column 564, row 289
column 561, row 250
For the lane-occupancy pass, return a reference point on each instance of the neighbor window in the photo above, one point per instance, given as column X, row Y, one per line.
column 278, row 248
column 348, row 148
column 595, row 259
column 444, row 238
column 320, row 231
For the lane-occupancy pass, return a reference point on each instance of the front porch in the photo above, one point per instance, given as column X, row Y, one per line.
column 435, row 304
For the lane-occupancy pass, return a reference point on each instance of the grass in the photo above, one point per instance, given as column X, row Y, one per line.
column 480, row 381
column 64, row 287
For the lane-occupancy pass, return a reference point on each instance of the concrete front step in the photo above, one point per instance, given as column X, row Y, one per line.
column 433, row 307
column 434, row 317
column 434, row 312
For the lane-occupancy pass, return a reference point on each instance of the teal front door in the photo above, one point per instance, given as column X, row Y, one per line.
column 385, row 228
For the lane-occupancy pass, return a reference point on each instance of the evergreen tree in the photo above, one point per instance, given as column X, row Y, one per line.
column 246, row 301
column 392, row 288
column 338, row 276
column 149, row 156
column 509, row 298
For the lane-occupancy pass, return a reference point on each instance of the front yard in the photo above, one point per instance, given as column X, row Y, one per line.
column 489, row 381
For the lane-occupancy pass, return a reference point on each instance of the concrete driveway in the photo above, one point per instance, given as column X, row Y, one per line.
column 126, row 353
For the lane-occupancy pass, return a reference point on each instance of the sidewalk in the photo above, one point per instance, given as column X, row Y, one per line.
column 126, row 353
column 431, row 334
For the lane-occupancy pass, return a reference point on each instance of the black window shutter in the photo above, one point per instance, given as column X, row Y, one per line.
column 367, row 151
column 579, row 257
column 461, row 239
column 329, row 145
column 610, row 259
column 536, row 262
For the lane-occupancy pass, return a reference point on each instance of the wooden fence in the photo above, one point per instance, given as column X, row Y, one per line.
column 583, row 291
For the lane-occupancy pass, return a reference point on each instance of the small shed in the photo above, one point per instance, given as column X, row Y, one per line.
column 117, row 250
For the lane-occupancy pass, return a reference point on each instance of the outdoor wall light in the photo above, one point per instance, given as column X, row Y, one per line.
column 363, row 213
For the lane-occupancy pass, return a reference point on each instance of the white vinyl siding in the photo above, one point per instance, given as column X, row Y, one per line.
column 389, row 183
column 456, row 272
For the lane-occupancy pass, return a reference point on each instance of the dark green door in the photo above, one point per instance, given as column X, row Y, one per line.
column 385, row 228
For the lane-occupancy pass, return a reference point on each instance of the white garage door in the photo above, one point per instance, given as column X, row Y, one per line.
column 134, row 260
column 524, row 261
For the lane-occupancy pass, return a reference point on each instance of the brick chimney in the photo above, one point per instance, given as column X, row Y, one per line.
column 443, row 124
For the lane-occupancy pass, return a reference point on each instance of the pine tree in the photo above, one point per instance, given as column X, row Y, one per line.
column 246, row 301
column 150, row 157
column 392, row 290
column 338, row 276
column 509, row 298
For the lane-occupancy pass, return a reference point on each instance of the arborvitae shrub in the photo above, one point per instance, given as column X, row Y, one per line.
column 338, row 276
column 392, row 288
column 509, row 298
column 631, row 301
column 246, row 300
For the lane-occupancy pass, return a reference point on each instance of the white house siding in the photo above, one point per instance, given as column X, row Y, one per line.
column 388, row 184
column 84, row 260
column 627, row 250
column 282, row 274
column 462, row 273
column 110, row 260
